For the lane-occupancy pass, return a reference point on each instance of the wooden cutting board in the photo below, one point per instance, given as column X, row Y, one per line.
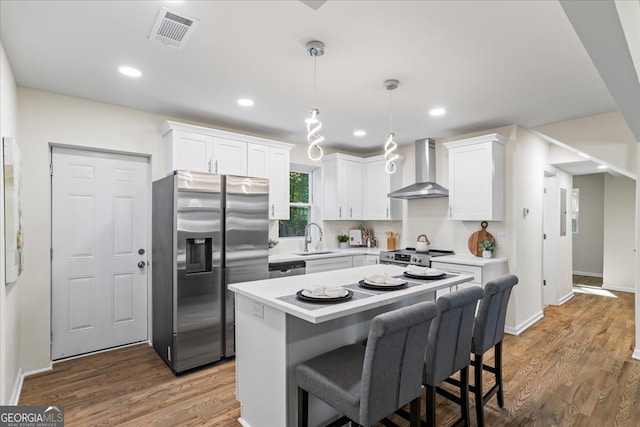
column 478, row 237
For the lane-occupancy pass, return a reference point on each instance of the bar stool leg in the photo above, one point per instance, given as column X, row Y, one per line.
column 303, row 408
column 498, row 359
column 464, row 394
column 430, row 405
column 414, row 407
column 477, row 387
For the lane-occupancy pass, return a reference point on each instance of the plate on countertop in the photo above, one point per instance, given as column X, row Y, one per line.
column 305, row 295
column 435, row 276
column 382, row 286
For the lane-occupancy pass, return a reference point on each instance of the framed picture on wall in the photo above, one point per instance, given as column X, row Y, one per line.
column 12, row 210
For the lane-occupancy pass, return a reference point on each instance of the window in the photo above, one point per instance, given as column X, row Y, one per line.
column 300, row 198
column 575, row 209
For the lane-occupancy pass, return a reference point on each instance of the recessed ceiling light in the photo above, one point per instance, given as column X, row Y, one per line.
column 245, row 102
column 437, row 111
column 130, row 71
column 359, row 133
column 602, row 166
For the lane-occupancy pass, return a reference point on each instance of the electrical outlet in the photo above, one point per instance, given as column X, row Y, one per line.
column 502, row 236
column 258, row 310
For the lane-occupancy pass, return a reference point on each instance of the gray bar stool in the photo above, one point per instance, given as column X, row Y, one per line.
column 365, row 384
column 488, row 332
column 448, row 349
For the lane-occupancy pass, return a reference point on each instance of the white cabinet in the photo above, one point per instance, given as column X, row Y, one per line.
column 202, row 149
column 204, row 153
column 328, row 264
column 272, row 163
column 377, row 184
column 342, row 179
column 188, row 151
column 229, row 157
column 482, row 270
column 476, row 178
column 371, row 259
column 359, row 260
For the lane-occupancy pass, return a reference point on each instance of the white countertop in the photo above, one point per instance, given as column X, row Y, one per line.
column 267, row 291
column 331, row 253
column 468, row 260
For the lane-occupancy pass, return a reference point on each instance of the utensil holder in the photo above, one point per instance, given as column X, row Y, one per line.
column 391, row 243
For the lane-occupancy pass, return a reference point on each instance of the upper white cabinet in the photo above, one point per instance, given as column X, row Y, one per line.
column 202, row 149
column 342, row 187
column 272, row 163
column 229, row 157
column 377, row 184
column 476, row 178
column 356, row 188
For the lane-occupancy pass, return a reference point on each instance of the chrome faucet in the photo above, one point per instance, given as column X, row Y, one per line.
column 307, row 236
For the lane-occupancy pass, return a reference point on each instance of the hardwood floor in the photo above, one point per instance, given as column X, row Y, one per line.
column 572, row 368
column 587, row 280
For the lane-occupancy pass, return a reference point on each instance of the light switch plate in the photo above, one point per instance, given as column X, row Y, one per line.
column 502, row 236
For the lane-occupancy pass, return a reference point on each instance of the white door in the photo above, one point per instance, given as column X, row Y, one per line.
column 99, row 236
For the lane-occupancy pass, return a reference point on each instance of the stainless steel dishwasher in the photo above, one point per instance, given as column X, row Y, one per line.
column 286, row 268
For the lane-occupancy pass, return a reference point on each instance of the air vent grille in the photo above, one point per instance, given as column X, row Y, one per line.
column 172, row 29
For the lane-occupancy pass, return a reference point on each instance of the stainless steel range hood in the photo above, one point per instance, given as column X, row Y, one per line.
column 425, row 186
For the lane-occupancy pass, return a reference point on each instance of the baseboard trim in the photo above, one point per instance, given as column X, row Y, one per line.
column 636, row 354
column 566, row 298
column 619, row 289
column 17, row 389
column 524, row 325
column 587, row 273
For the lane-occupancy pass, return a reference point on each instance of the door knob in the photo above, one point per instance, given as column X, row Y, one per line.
column 141, row 264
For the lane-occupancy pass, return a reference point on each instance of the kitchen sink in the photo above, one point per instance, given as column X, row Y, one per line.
column 314, row 253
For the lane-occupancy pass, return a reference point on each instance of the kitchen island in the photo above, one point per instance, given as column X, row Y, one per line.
column 275, row 332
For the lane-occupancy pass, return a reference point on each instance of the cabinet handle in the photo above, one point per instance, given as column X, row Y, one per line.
column 273, row 210
column 340, row 212
column 216, row 166
column 350, row 212
column 387, row 212
column 209, row 166
column 450, row 211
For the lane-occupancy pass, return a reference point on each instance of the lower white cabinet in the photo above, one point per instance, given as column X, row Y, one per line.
column 328, row 264
column 371, row 259
column 482, row 270
column 359, row 260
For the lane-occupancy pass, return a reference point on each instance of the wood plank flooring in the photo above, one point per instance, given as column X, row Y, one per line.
column 572, row 368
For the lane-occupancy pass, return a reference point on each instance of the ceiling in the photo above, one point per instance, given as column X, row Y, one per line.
column 488, row 63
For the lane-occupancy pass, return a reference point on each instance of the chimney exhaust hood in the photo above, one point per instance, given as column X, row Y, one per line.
column 425, row 186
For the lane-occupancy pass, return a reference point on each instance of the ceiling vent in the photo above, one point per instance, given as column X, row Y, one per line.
column 172, row 29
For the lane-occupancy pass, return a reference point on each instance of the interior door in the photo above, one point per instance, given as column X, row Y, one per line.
column 99, row 243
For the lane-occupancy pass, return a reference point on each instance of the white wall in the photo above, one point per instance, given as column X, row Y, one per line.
column 588, row 242
column 619, row 260
column 9, row 294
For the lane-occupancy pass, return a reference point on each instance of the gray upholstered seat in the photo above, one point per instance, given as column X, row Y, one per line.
column 448, row 349
column 488, row 332
column 367, row 383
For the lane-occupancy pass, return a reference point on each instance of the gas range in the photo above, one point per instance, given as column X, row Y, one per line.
column 411, row 256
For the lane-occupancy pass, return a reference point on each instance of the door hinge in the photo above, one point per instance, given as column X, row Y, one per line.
column 51, row 253
column 544, row 236
column 544, row 283
column 50, row 169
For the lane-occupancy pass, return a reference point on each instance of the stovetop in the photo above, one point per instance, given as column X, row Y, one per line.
column 411, row 256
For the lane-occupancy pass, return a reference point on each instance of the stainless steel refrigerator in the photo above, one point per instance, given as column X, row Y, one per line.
column 208, row 231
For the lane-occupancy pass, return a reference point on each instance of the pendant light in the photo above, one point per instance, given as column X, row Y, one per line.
column 390, row 146
column 314, row 48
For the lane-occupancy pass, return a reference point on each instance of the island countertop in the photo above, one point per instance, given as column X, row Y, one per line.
column 275, row 292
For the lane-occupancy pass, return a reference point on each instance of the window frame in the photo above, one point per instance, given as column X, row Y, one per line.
column 313, row 188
